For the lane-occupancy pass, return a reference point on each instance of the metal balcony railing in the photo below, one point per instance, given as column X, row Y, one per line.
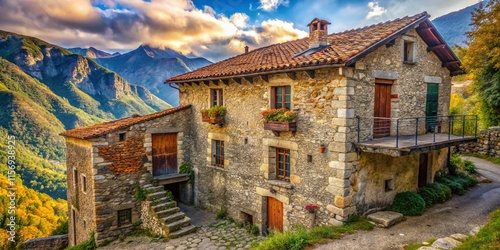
column 434, row 128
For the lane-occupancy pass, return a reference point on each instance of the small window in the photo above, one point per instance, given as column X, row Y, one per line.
column 408, row 51
column 218, row 157
column 246, row 140
column 216, row 97
column 281, row 97
column 75, row 177
column 124, row 217
column 84, row 224
column 389, row 186
column 84, row 183
column 309, row 158
column 283, row 164
column 123, row 136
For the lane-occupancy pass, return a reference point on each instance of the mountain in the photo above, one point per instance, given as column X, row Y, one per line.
column 90, row 52
column 82, row 82
column 453, row 26
column 149, row 67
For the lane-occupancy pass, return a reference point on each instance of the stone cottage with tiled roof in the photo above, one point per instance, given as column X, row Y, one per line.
column 372, row 121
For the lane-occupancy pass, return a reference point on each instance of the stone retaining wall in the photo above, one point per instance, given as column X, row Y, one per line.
column 487, row 144
column 57, row 242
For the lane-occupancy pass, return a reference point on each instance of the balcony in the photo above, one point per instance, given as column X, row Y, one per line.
column 407, row 136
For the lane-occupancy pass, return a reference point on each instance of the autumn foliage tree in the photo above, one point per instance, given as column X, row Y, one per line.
column 482, row 59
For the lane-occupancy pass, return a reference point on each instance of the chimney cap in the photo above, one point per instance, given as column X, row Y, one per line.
column 316, row 20
column 246, row 49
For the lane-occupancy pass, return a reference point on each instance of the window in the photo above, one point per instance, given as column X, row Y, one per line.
column 216, row 97
column 218, row 157
column 408, row 49
column 283, row 164
column 84, row 183
column 122, row 136
column 124, row 217
column 280, row 97
column 389, row 186
column 75, row 177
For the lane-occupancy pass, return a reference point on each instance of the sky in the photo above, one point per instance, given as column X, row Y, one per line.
column 214, row 29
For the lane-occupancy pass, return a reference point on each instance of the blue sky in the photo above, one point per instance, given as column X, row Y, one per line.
column 215, row 29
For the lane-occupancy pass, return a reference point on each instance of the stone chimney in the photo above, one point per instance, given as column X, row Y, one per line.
column 318, row 33
column 246, row 49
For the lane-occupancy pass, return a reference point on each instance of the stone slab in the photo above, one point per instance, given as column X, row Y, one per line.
column 459, row 237
column 386, row 218
column 446, row 243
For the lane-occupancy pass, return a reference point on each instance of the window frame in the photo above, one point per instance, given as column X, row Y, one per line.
column 75, row 178
column 124, row 213
column 218, row 153
column 216, row 97
column 84, row 183
column 283, row 164
column 409, row 51
column 283, row 95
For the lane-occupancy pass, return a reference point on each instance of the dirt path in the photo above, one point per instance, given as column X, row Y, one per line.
column 460, row 214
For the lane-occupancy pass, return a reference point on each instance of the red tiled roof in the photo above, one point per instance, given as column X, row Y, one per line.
column 344, row 48
column 97, row 130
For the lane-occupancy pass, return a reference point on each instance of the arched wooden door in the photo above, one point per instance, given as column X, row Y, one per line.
column 164, row 154
column 274, row 214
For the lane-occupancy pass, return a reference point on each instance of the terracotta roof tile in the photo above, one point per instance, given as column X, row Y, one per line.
column 97, row 130
column 343, row 47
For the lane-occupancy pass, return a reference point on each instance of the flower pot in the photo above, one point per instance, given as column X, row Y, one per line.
column 280, row 126
column 321, row 149
column 311, row 220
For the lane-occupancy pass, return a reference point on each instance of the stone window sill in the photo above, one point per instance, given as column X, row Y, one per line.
column 218, row 168
column 278, row 183
column 410, row 62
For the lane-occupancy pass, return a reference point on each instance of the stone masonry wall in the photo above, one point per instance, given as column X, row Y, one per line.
column 57, row 242
column 79, row 157
column 120, row 166
column 487, row 144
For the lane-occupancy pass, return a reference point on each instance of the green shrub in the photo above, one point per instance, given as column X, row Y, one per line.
column 455, row 187
column 469, row 167
column 290, row 240
column 140, row 193
column 429, row 195
column 213, row 112
column 185, row 168
column 221, row 214
column 86, row 245
column 408, row 203
column 255, row 230
column 443, row 192
column 169, row 195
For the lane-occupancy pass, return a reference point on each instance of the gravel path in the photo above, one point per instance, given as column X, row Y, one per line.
column 461, row 214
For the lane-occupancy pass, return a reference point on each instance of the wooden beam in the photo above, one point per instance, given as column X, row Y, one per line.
column 310, row 73
column 237, row 80
column 188, row 83
column 248, row 79
column 225, row 81
column 446, row 64
column 197, row 83
column 424, row 29
column 206, row 83
column 292, row 75
column 216, row 83
column 456, row 73
column 433, row 48
column 265, row 78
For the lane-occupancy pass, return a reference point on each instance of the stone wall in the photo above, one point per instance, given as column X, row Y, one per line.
column 150, row 220
column 487, row 144
column 57, row 242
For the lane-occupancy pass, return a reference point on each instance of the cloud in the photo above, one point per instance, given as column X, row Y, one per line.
column 124, row 24
column 375, row 10
column 271, row 5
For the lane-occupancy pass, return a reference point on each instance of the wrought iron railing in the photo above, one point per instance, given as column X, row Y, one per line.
column 372, row 128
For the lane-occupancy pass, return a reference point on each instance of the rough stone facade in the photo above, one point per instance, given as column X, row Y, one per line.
column 487, row 144
column 327, row 106
column 113, row 169
column 57, row 242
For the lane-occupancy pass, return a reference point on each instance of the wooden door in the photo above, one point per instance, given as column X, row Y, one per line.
column 274, row 214
column 431, row 107
column 382, row 127
column 164, row 154
column 422, row 170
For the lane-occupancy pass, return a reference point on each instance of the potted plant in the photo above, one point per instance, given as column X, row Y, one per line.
column 214, row 115
column 311, row 209
column 279, row 120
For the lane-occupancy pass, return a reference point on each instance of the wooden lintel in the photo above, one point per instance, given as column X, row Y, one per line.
column 446, row 64
column 433, row 48
column 292, row 75
column 248, row 79
column 265, row 78
column 237, row 80
column 225, row 81
column 310, row 73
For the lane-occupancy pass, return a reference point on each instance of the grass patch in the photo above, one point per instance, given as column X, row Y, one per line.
column 488, row 237
column 221, row 214
column 495, row 160
column 298, row 238
column 416, row 246
column 86, row 245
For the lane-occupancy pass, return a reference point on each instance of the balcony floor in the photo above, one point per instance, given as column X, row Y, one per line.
column 406, row 144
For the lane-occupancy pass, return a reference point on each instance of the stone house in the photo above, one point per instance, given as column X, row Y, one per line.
column 357, row 141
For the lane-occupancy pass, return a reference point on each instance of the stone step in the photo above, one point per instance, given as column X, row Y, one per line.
column 386, row 218
column 147, row 185
column 165, row 213
column 155, row 202
column 183, row 231
column 154, row 189
column 175, row 226
column 156, row 195
column 164, row 206
column 174, row 217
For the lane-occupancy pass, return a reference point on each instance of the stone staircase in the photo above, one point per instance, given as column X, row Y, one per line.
column 167, row 212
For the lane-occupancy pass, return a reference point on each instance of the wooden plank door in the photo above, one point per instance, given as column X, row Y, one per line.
column 164, row 154
column 274, row 214
column 422, row 169
column 382, row 127
column 431, row 107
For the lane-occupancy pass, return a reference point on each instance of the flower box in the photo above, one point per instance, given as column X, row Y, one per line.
column 213, row 120
column 280, row 126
